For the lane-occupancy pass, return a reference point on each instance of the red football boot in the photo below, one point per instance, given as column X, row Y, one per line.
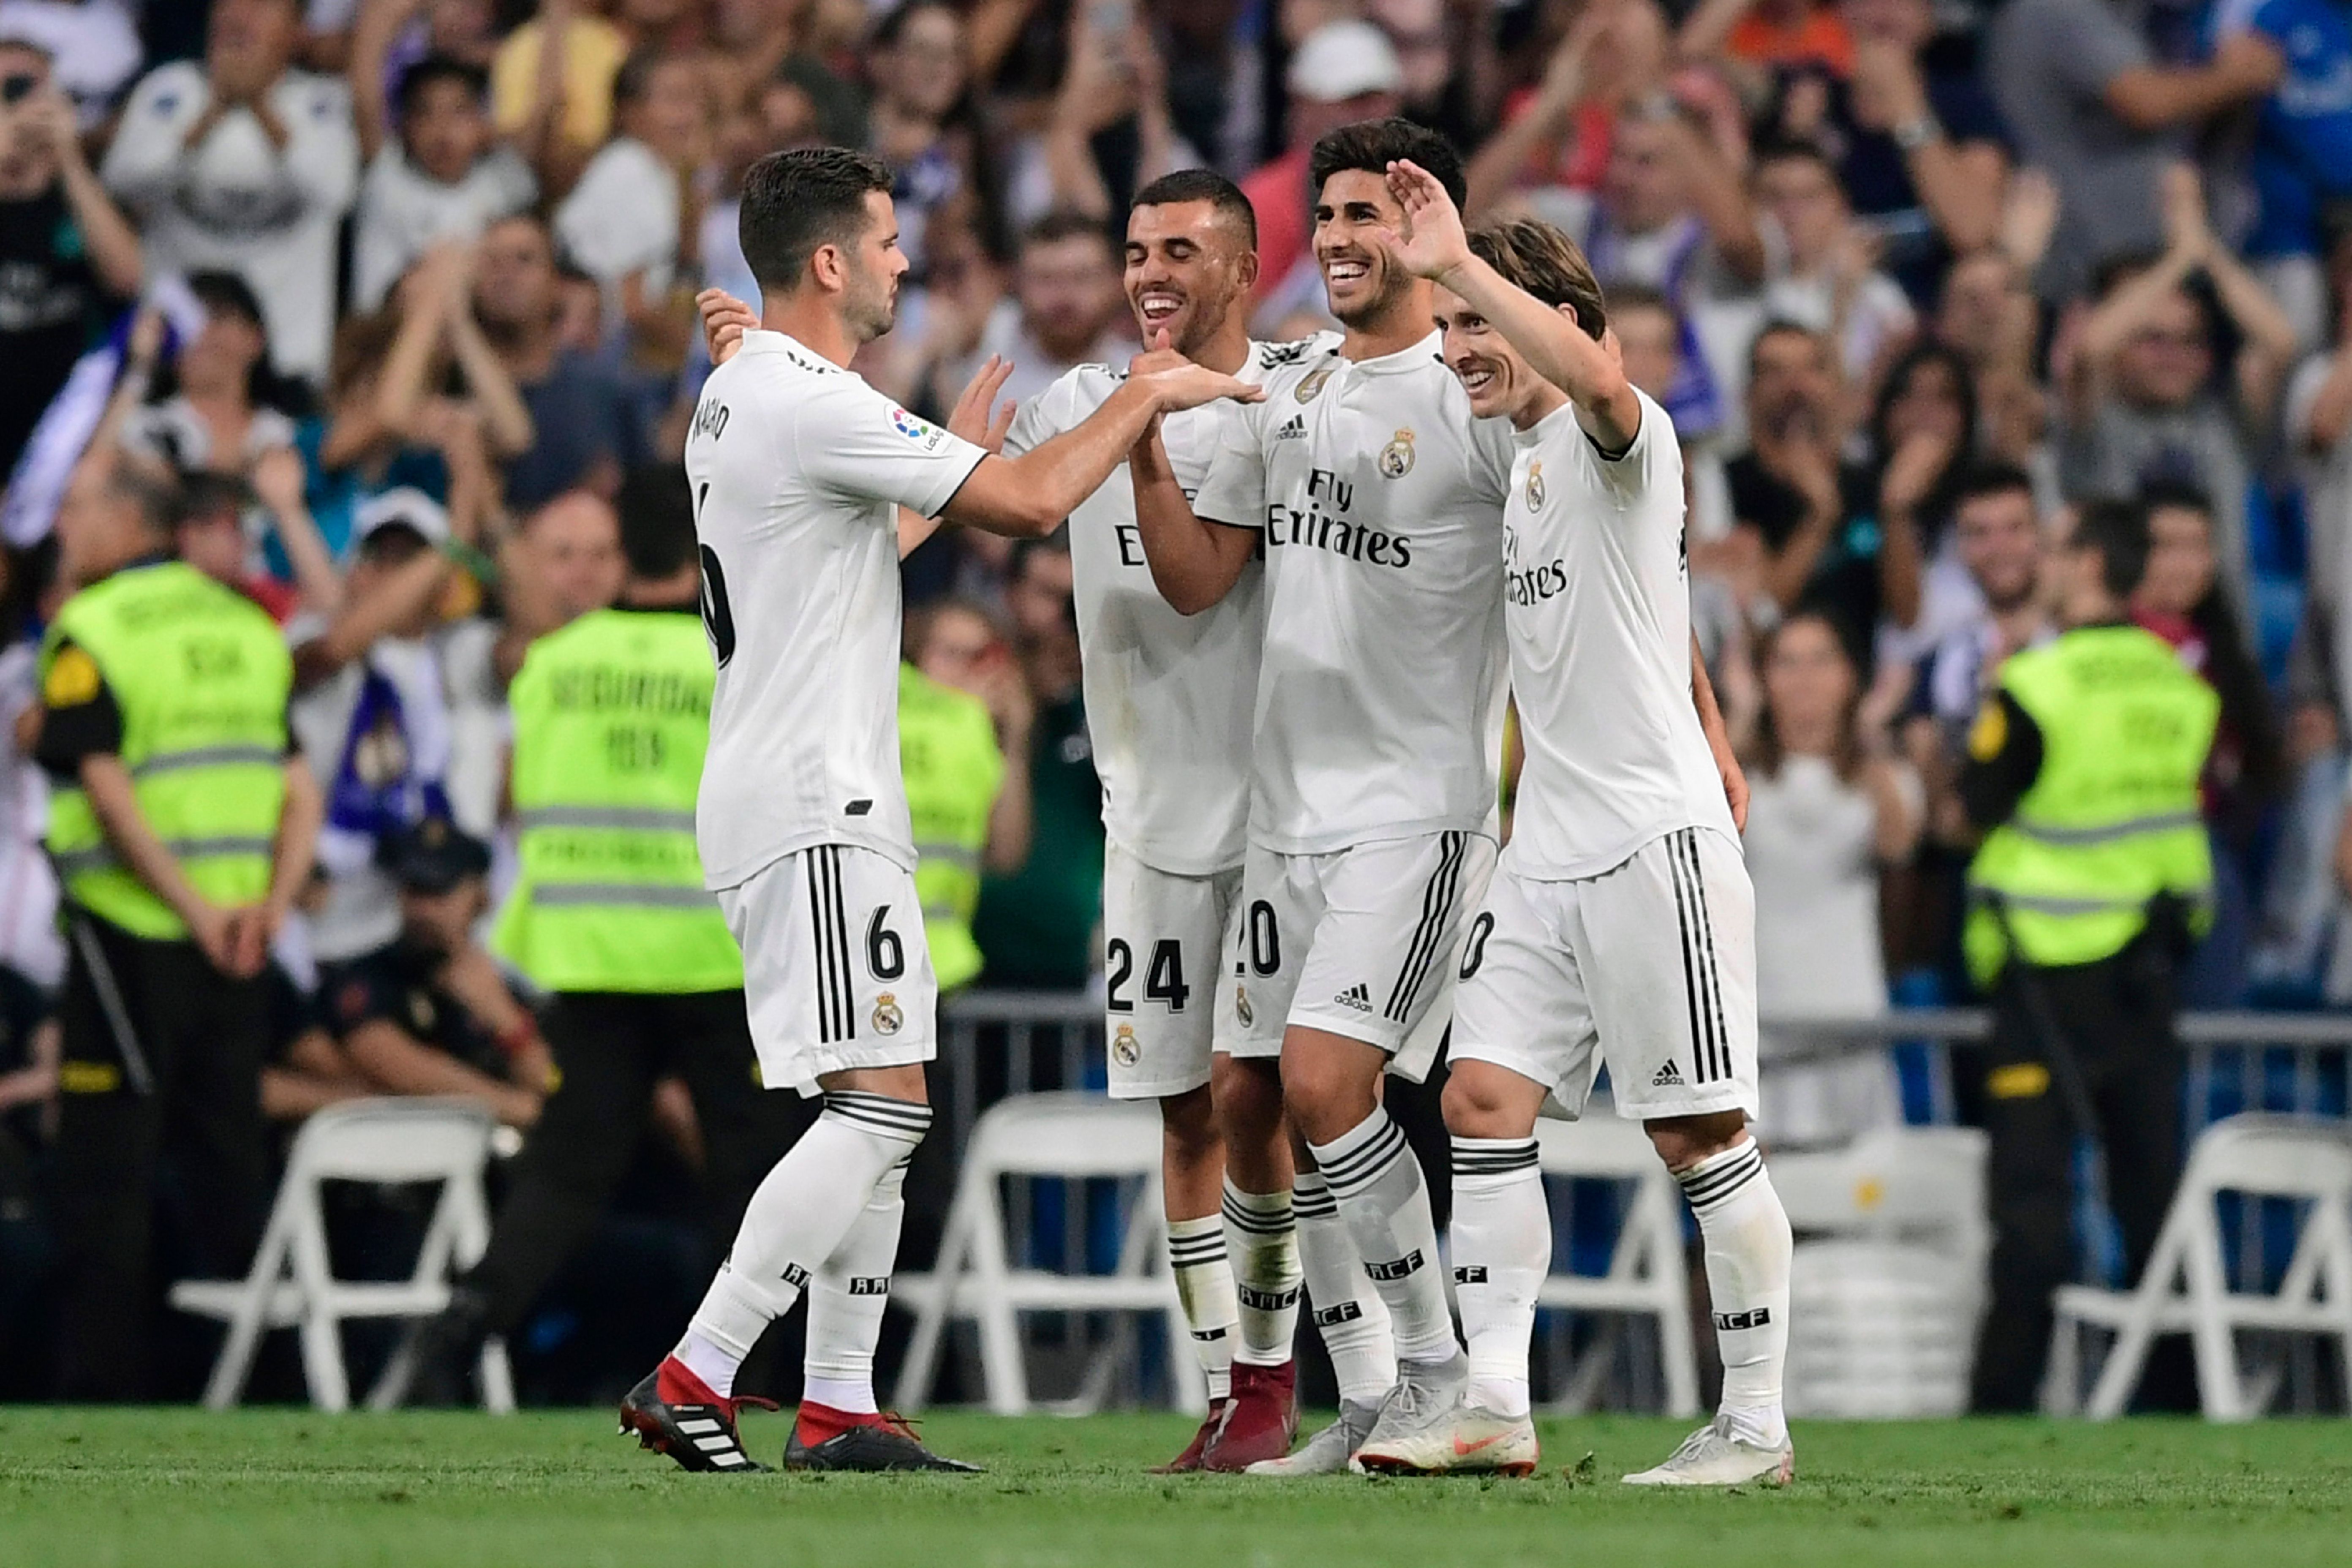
column 1261, row 1419
column 1189, row 1459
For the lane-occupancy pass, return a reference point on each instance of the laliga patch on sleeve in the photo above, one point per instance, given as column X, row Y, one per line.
column 1990, row 734
column 72, row 680
column 923, row 433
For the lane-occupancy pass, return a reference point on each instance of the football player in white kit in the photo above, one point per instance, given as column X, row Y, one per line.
column 1621, row 926
column 1170, row 701
column 1376, row 498
column 799, row 470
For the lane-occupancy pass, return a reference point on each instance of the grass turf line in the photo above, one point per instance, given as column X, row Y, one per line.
column 285, row 1488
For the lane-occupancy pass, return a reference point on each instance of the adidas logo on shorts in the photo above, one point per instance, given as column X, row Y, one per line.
column 1666, row 1076
column 1296, row 430
column 1355, row 996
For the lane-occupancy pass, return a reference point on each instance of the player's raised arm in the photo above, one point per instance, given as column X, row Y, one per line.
column 1564, row 351
column 1028, row 496
column 1194, row 562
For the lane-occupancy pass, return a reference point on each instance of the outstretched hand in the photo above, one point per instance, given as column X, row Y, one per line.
column 1433, row 243
column 972, row 418
column 1179, row 384
column 725, row 320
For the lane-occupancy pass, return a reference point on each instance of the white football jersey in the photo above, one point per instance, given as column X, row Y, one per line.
column 1599, row 590
column 1378, row 498
column 798, row 469
column 1170, row 698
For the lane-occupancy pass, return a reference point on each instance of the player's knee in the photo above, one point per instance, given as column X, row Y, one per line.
column 1683, row 1142
column 1328, row 1086
column 1247, row 1092
column 1187, row 1124
column 1479, row 1102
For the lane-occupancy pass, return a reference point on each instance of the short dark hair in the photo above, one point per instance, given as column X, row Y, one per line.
column 439, row 68
column 1200, row 185
column 635, row 76
column 2117, row 529
column 656, row 522
column 797, row 200
column 205, row 494
column 2166, row 490
column 1795, row 149
column 1068, row 223
column 1624, row 297
column 155, row 496
column 1371, row 145
column 1539, row 257
column 1782, row 327
column 226, row 294
column 1990, row 479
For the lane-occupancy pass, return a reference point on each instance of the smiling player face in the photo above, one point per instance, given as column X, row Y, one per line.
column 1501, row 384
column 1187, row 264
column 1363, row 286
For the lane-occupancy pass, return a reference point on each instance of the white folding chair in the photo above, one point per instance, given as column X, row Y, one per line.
column 1887, row 1283
column 1647, row 1277
column 2187, row 1289
column 1065, row 1136
column 291, row 1283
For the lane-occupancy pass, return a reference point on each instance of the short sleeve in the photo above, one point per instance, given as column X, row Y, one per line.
column 79, row 717
column 1633, row 472
column 366, row 993
column 856, row 442
column 1033, row 424
column 2089, row 45
column 1233, row 493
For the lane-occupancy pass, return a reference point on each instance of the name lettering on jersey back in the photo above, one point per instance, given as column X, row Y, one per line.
column 1320, row 526
column 709, row 420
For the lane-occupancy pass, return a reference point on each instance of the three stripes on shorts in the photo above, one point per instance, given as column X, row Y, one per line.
column 1438, row 899
column 1702, row 990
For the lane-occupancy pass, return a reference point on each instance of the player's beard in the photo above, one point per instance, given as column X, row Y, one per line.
column 1208, row 319
column 873, row 305
column 1396, row 284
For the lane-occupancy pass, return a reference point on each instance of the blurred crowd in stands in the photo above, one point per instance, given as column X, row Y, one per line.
column 397, row 295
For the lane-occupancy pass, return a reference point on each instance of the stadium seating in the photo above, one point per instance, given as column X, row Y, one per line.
column 292, row 1283
column 2187, row 1286
column 1060, row 1136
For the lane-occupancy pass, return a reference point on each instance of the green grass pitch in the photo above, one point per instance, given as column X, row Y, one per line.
column 288, row 1488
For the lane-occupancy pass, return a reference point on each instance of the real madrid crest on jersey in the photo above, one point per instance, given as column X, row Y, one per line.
column 1535, row 487
column 1396, row 457
column 887, row 1019
column 1124, row 1049
column 1311, row 386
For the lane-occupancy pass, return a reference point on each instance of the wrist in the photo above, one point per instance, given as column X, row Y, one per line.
column 518, row 1037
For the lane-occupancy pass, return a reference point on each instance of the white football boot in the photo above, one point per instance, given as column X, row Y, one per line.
column 1328, row 1452
column 1714, row 1457
column 1458, row 1440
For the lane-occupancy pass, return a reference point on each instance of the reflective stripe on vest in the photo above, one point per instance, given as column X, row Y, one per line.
column 2111, row 820
column 612, row 717
column 200, row 676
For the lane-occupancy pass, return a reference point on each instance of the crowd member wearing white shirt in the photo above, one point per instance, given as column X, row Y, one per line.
column 633, row 220
column 1623, row 890
column 1170, row 704
column 799, row 472
column 1377, row 501
column 442, row 177
column 244, row 164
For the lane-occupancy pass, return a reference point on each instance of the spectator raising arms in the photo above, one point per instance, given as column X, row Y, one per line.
column 246, row 164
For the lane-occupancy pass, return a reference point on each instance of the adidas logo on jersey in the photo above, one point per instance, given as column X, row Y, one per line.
column 1666, row 1076
column 1355, row 996
column 1296, row 430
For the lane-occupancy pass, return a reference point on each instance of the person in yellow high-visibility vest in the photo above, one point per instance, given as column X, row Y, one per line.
column 2083, row 771
column 181, row 823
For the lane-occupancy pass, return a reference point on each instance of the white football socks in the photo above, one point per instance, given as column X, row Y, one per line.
column 1376, row 1179
column 800, row 1215
column 1746, row 1235
column 1262, row 1238
column 1349, row 1313
column 1204, row 1285
column 1501, row 1235
column 847, row 1299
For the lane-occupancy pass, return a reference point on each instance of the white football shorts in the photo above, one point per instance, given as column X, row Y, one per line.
column 836, row 971
column 1170, row 993
column 1360, row 942
column 1650, row 967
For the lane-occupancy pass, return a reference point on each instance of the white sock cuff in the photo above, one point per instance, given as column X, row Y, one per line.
column 1714, row 1181
column 1257, row 1214
column 1310, row 1198
column 1481, row 1162
column 880, row 1116
column 1362, row 1155
column 1195, row 1243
